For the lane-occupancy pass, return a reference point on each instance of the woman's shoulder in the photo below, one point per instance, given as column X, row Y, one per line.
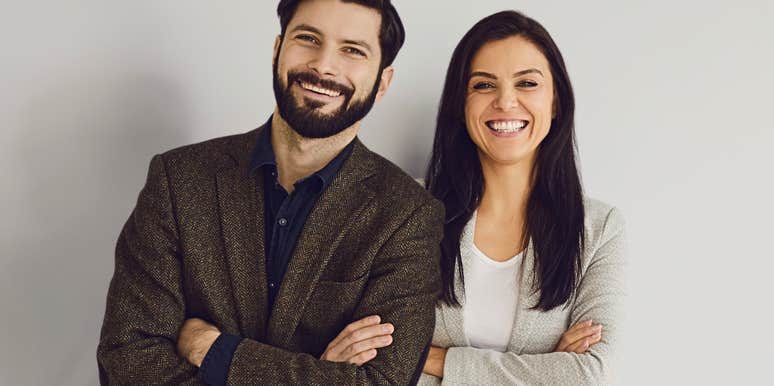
column 602, row 221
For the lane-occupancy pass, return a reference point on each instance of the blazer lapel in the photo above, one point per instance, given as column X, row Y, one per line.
column 324, row 229
column 453, row 317
column 528, row 297
column 240, row 198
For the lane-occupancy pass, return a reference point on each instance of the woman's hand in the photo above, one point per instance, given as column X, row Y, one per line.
column 357, row 343
column 580, row 337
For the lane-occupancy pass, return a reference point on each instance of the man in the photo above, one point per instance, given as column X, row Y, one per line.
column 247, row 255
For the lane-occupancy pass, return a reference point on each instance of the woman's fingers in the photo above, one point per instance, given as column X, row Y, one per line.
column 564, row 341
column 579, row 325
column 578, row 333
column 572, row 336
column 583, row 344
column 579, row 347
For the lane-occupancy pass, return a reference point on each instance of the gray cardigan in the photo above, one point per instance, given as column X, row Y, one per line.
column 529, row 359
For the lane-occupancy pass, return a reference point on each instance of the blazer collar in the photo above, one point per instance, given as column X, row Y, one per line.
column 241, row 202
column 453, row 317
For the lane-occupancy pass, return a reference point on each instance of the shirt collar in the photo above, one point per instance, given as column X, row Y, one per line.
column 263, row 154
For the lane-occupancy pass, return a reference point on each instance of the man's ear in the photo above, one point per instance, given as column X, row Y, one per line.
column 384, row 83
column 277, row 42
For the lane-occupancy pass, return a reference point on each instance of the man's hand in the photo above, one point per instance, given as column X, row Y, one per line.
column 435, row 361
column 358, row 342
column 195, row 339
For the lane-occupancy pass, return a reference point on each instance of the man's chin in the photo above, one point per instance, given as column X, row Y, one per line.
column 321, row 107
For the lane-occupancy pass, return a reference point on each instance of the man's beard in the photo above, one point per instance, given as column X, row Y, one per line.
column 304, row 117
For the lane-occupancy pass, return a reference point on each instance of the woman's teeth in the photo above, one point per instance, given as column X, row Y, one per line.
column 507, row 126
column 320, row 90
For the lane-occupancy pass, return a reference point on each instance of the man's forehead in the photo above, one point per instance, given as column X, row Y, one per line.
column 338, row 20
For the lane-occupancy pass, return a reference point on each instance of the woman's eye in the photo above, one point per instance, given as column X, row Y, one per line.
column 527, row 83
column 483, row 86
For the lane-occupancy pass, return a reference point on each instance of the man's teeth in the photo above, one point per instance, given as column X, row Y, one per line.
column 507, row 126
column 320, row 90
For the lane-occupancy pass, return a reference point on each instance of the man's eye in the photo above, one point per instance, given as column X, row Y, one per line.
column 307, row 38
column 483, row 86
column 354, row 51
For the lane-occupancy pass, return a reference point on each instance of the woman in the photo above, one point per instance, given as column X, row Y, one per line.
column 532, row 271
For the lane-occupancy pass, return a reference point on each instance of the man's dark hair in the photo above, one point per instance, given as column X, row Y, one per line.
column 391, row 34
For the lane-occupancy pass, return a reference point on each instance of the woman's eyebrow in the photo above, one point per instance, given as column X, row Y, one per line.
column 482, row 73
column 515, row 75
column 528, row 71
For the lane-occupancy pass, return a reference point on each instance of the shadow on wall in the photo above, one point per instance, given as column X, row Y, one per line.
column 83, row 150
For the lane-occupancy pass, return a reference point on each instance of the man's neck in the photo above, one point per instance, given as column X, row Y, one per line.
column 298, row 157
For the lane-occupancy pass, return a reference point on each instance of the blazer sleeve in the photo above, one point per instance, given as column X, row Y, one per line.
column 600, row 297
column 403, row 285
column 145, row 304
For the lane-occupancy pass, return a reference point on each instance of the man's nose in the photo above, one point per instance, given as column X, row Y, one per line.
column 325, row 63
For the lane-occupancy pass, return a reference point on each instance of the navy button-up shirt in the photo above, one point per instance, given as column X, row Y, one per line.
column 284, row 217
column 285, row 213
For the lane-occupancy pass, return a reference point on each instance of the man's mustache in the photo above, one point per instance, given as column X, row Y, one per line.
column 312, row 78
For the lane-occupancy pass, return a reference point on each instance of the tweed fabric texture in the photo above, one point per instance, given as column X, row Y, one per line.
column 529, row 359
column 194, row 247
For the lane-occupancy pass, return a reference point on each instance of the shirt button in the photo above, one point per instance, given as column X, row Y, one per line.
column 271, row 285
column 282, row 222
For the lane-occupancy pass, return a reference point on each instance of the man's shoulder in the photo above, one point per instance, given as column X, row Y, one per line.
column 395, row 187
column 212, row 154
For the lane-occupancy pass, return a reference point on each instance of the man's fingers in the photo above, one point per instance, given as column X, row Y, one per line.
column 354, row 326
column 363, row 357
column 344, row 345
column 355, row 349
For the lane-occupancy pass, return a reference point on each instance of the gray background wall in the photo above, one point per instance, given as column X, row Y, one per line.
column 674, row 127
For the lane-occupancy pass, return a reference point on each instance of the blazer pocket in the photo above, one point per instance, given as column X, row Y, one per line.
column 339, row 292
column 341, row 271
column 330, row 308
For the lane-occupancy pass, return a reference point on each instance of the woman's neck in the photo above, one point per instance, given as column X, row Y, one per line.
column 506, row 189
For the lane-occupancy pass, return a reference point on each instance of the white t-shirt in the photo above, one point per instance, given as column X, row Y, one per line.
column 491, row 294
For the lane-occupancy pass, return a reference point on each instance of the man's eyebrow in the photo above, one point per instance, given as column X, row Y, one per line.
column 306, row 27
column 309, row 28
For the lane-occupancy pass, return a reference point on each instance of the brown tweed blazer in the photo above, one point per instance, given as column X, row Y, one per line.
column 194, row 247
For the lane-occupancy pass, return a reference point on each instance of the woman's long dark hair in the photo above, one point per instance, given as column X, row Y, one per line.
column 555, row 213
